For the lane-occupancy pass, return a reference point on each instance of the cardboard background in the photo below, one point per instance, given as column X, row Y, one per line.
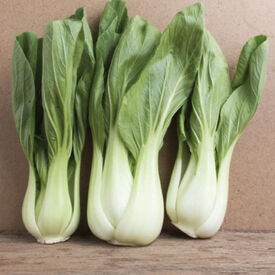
column 252, row 179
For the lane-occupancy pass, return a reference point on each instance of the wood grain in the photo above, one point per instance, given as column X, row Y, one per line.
column 227, row 252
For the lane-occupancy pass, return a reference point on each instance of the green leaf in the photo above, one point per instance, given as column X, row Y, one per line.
column 112, row 23
column 40, row 142
column 166, row 81
column 23, row 89
column 248, row 85
column 131, row 54
column 41, row 159
column 244, row 59
column 114, row 10
column 184, row 113
column 62, row 50
column 211, row 89
column 84, row 81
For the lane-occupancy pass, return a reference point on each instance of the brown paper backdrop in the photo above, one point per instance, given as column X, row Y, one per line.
column 252, row 180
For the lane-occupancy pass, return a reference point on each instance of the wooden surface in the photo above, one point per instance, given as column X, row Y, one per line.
column 227, row 252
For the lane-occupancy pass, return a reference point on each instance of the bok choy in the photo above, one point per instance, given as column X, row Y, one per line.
column 208, row 131
column 142, row 78
column 51, row 79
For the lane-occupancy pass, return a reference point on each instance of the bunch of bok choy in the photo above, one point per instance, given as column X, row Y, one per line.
column 208, row 131
column 51, row 80
column 137, row 89
column 128, row 88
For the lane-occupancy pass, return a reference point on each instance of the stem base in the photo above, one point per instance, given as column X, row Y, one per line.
column 188, row 231
column 52, row 240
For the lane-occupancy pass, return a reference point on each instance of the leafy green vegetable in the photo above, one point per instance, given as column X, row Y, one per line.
column 112, row 22
column 129, row 92
column 150, row 77
column 51, row 83
column 198, row 190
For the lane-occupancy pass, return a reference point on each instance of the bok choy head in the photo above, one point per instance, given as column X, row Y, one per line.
column 135, row 94
column 208, row 131
column 51, row 79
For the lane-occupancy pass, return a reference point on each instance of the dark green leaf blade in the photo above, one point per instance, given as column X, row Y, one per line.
column 61, row 55
column 211, row 89
column 243, row 102
column 23, row 90
column 84, row 81
column 133, row 51
column 114, row 10
column 166, row 81
column 247, row 51
column 111, row 25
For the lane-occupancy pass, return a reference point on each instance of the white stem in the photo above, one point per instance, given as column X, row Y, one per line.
column 117, row 178
column 97, row 220
column 39, row 200
column 76, row 203
column 142, row 221
column 215, row 220
column 172, row 191
column 180, row 167
column 197, row 191
column 56, row 209
column 28, row 208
